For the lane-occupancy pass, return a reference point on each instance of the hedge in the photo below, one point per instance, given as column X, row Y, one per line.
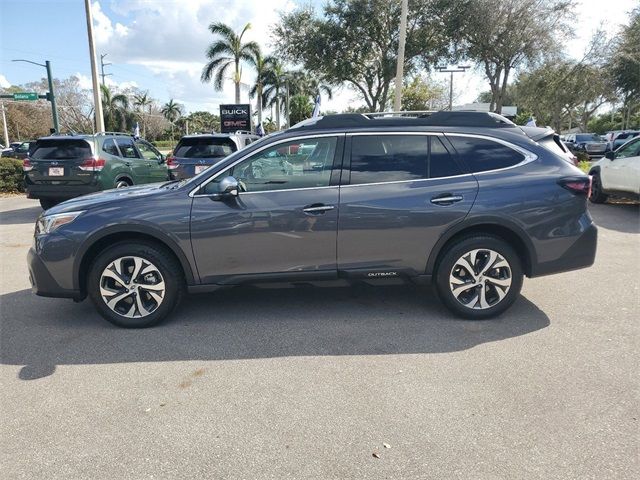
column 164, row 143
column 11, row 175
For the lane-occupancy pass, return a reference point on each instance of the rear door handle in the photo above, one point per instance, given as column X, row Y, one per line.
column 446, row 199
column 317, row 209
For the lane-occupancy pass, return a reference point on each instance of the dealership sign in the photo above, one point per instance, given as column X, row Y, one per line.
column 235, row 117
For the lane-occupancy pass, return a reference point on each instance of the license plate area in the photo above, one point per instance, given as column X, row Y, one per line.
column 56, row 171
column 200, row 168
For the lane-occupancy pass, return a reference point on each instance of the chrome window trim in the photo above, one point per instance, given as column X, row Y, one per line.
column 192, row 193
column 528, row 156
column 406, row 181
column 382, row 133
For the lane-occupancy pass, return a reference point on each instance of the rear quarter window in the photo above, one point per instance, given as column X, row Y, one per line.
column 61, row 149
column 482, row 155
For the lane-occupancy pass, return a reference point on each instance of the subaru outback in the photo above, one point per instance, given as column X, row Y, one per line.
column 60, row 167
column 466, row 201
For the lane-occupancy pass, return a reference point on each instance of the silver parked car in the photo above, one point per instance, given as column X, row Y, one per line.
column 590, row 143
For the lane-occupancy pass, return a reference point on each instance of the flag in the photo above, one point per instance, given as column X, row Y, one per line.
column 260, row 130
column 316, row 108
column 531, row 122
column 136, row 131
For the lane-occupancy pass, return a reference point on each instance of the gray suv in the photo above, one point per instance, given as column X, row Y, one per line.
column 466, row 201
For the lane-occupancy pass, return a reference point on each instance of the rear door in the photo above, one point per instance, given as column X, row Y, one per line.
column 138, row 168
column 59, row 161
column 400, row 193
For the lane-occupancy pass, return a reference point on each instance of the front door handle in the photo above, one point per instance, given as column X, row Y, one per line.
column 446, row 199
column 317, row 209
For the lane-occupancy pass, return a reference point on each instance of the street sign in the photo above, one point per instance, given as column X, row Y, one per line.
column 25, row 96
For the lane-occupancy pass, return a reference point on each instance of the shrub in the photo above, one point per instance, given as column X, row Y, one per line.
column 164, row 143
column 584, row 165
column 11, row 176
column 582, row 156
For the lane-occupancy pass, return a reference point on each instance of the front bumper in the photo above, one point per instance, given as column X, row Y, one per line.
column 42, row 282
column 581, row 254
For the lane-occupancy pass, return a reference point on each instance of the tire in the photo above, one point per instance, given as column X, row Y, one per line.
column 123, row 183
column 145, row 300
column 485, row 297
column 47, row 203
column 597, row 196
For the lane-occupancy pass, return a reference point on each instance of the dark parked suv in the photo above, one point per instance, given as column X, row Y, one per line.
column 64, row 166
column 464, row 200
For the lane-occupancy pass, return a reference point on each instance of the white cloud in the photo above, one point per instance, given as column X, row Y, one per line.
column 4, row 83
column 85, row 82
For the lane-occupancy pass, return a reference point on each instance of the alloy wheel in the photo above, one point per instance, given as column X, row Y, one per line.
column 480, row 279
column 132, row 287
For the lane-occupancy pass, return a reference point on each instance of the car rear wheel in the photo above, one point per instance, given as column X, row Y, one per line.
column 135, row 285
column 597, row 196
column 122, row 183
column 479, row 277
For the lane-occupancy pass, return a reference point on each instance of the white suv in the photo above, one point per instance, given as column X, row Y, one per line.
column 618, row 173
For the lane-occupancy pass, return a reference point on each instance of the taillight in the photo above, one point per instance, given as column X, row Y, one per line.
column 92, row 164
column 172, row 164
column 26, row 165
column 577, row 185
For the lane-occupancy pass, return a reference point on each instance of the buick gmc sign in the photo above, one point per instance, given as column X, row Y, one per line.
column 235, row 117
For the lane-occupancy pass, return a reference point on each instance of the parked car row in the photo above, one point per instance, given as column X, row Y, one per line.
column 18, row 150
column 618, row 173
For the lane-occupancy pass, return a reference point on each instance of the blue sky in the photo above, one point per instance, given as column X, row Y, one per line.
column 158, row 45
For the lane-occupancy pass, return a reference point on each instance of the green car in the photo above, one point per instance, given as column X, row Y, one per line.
column 66, row 166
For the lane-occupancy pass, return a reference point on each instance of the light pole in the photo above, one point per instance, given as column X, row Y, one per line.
column 97, row 101
column 51, row 95
column 458, row 69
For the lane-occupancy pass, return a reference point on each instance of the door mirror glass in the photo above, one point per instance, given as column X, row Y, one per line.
column 610, row 155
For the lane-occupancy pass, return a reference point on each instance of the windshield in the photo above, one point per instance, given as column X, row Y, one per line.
column 589, row 137
column 205, row 147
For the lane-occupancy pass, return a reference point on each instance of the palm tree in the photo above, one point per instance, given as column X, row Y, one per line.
column 171, row 111
column 115, row 107
column 263, row 67
column 226, row 51
column 142, row 100
column 275, row 88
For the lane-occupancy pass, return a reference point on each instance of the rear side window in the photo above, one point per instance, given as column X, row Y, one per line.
column 205, row 147
column 482, row 155
column 127, row 148
column 441, row 164
column 110, row 147
column 61, row 149
column 388, row 158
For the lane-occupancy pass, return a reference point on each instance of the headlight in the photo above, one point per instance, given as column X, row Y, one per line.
column 48, row 223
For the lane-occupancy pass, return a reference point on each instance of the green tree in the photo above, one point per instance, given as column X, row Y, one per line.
column 202, row 121
column 226, row 52
column 263, row 66
column 420, row 94
column 275, row 88
column 172, row 111
column 301, row 108
column 504, row 36
column 625, row 66
column 115, row 108
column 356, row 42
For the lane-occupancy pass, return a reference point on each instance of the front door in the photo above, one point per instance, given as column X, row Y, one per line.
column 283, row 222
column 138, row 168
column 157, row 168
column 402, row 193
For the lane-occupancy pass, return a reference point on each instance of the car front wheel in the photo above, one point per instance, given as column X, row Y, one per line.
column 135, row 285
column 479, row 277
column 597, row 196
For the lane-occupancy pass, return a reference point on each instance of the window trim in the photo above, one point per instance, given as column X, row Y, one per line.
column 119, row 155
column 528, row 155
column 337, row 160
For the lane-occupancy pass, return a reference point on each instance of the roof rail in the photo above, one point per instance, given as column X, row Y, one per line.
column 114, row 133
column 459, row 118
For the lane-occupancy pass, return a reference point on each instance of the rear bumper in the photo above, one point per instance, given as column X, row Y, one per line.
column 60, row 192
column 580, row 254
column 42, row 282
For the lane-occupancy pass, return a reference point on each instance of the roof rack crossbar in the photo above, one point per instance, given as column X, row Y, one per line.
column 114, row 133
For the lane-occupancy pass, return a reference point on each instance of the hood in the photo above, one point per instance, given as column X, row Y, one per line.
column 92, row 200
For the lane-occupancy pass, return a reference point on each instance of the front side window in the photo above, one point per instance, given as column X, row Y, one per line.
column 632, row 149
column 147, row 151
column 127, row 148
column 482, row 155
column 304, row 163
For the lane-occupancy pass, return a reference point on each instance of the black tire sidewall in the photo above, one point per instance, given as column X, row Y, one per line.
column 599, row 197
column 166, row 264
column 459, row 248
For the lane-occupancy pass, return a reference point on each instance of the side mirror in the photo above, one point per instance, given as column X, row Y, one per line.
column 610, row 155
column 162, row 159
column 228, row 187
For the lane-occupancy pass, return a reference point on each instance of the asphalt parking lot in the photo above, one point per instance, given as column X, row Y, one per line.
column 311, row 382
